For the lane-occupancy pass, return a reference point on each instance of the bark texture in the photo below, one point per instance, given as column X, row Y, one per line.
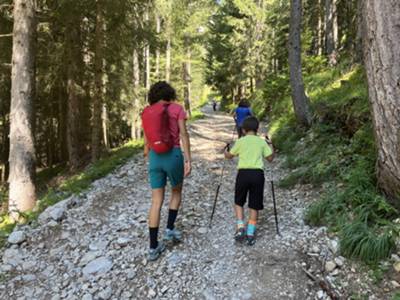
column 382, row 56
column 73, row 112
column 300, row 100
column 188, row 79
column 98, row 97
column 22, row 194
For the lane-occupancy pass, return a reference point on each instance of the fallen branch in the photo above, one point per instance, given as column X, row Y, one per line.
column 323, row 284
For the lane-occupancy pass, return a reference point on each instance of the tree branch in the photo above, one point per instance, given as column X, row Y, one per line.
column 4, row 65
column 6, row 35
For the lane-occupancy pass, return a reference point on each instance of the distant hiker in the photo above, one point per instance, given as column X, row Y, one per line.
column 240, row 113
column 251, row 150
column 214, row 105
column 164, row 124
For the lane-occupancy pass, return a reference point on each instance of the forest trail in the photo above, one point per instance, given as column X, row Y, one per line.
column 98, row 250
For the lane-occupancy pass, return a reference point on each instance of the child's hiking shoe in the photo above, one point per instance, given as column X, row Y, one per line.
column 172, row 235
column 251, row 240
column 154, row 254
column 240, row 234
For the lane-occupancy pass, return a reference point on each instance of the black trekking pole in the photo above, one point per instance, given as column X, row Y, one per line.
column 220, row 181
column 273, row 194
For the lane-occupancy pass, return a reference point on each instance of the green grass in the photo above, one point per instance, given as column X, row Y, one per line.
column 74, row 184
column 197, row 115
column 337, row 154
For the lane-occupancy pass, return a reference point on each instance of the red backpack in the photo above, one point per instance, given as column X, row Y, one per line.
column 155, row 122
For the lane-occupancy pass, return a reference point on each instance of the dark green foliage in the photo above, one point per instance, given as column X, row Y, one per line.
column 338, row 154
column 370, row 244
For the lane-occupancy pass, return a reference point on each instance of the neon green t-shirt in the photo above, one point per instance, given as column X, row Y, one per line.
column 251, row 150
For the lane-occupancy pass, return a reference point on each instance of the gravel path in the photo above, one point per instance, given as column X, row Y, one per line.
column 94, row 246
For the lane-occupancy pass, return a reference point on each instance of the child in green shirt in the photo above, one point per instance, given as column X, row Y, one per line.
column 251, row 150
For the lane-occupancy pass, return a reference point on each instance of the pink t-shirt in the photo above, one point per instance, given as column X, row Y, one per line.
column 176, row 112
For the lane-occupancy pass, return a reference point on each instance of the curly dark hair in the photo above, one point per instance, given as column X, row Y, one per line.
column 161, row 90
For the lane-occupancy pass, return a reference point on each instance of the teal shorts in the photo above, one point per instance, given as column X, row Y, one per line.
column 167, row 165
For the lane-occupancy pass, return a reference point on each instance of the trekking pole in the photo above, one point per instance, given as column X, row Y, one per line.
column 273, row 195
column 220, row 182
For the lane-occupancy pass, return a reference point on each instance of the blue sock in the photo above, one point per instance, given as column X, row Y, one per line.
column 239, row 224
column 251, row 229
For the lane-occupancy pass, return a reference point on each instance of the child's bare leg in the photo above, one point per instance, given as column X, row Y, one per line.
column 240, row 227
column 253, row 215
column 239, row 212
column 251, row 227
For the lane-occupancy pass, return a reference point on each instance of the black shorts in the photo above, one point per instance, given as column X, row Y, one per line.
column 251, row 182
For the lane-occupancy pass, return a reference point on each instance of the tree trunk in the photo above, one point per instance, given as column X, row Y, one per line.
column 168, row 60
column 382, row 56
column 158, row 31
column 187, row 79
column 98, row 96
column 331, row 30
column 73, row 113
column 320, row 29
column 22, row 193
column 358, row 47
column 104, row 120
column 300, row 100
column 135, row 130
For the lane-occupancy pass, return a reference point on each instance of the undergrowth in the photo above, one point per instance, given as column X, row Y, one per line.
column 73, row 184
column 338, row 155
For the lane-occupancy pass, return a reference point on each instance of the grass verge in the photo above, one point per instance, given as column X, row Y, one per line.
column 73, row 185
column 338, row 155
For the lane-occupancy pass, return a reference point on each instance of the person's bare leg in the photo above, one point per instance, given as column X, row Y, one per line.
column 253, row 215
column 176, row 197
column 157, row 199
column 239, row 212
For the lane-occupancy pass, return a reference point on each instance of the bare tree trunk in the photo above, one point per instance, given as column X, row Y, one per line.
column 187, row 79
column 331, row 30
column 135, row 130
column 168, row 60
column 320, row 29
column 104, row 119
column 382, row 57
column 73, row 112
column 98, row 96
column 300, row 100
column 22, row 193
column 358, row 47
column 158, row 30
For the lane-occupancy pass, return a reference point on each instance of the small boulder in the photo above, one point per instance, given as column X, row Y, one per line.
column 98, row 266
column 396, row 266
column 17, row 237
column 330, row 266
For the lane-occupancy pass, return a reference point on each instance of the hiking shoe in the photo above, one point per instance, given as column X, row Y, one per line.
column 154, row 254
column 240, row 234
column 251, row 240
column 172, row 235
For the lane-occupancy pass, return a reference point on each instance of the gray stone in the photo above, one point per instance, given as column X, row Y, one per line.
column 105, row 294
column 13, row 257
column 87, row 297
column 202, row 230
column 17, row 237
column 54, row 213
column 122, row 241
column 330, row 266
column 98, row 266
column 88, row 257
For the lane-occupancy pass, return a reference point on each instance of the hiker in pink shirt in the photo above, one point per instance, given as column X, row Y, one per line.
column 164, row 124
